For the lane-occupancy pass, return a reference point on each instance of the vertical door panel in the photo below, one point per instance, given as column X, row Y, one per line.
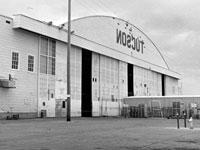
column 95, row 84
column 123, row 80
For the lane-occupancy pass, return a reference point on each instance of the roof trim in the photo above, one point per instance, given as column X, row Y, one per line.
column 6, row 16
column 37, row 20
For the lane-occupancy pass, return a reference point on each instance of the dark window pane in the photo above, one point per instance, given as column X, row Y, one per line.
column 63, row 104
column 44, row 46
column 15, row 60
column 30, row 63
column 51, row 66
column 52, row 48
column 43, row 64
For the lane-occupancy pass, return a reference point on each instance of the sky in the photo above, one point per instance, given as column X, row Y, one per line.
column 173, row 25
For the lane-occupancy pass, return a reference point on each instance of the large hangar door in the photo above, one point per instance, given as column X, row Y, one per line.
column 95, row 84
column 123, row 92
column 130, row 80
column 86, row 105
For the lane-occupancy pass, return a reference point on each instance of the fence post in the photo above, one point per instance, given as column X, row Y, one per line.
column 177, row 116
column 184, row 119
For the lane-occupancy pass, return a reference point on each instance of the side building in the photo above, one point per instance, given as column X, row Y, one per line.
column 110, row 59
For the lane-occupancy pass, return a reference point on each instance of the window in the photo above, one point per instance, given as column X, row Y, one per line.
column 47, row 56
column 52, row 48
column 43, row 64
column 51, row 67
column 30, row 63
column 44, row 46
column 63, row 104
column 15, row 60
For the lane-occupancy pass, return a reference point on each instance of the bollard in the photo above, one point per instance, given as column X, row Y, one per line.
column 177, row 116
column 191, row 123
column 184, row 114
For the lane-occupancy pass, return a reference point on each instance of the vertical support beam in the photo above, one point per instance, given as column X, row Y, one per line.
column 68, row 64
column 38, row 76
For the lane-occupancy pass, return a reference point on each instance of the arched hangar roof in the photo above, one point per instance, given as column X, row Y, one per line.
column 122, row 40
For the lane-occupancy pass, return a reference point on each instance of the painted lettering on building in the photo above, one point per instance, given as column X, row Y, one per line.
column 129, row 41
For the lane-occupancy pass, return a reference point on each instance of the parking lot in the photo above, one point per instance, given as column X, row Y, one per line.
column 98, row 134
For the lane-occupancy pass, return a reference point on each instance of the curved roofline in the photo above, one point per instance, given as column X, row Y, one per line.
column 130, row 24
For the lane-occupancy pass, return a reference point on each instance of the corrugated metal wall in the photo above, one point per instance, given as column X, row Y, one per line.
column 95, row 84
column 109, row 82
column 171, row 86
column 61, row 80
column 123, row 91
column 109, row 86
column 146, row 82
column 109, row 77
column 76, row 75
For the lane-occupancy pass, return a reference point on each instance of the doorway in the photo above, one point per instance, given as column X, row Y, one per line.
column 163, row 85
column 130, row 80
column 86, row 104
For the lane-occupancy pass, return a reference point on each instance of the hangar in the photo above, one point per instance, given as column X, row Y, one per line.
column 110, row 60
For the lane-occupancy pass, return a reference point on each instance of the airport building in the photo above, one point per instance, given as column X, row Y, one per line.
column 110, row 60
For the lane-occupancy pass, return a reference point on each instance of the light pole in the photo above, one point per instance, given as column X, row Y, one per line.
column 68, row 63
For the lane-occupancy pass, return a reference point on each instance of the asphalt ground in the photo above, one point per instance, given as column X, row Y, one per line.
column 98, row 134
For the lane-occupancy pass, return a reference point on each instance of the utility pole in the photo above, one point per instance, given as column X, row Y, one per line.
column 68, row 64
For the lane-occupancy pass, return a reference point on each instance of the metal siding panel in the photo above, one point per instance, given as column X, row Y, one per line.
column 76, row 77
column 171, row 86
column 122, row 80
column 95, row 77
column 16, row 100
column 146, row 82
column 76, row 58
column 95, row 84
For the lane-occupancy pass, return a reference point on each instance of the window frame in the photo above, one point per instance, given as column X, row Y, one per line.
column 33, row 63
column 51, row 69
column 14, row 51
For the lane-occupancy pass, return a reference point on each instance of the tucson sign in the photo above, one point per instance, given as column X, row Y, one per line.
column 128, row 40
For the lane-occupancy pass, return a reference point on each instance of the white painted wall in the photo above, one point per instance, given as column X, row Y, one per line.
column 23, row 98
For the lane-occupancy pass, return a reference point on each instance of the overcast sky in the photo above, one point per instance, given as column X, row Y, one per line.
column 174, row 25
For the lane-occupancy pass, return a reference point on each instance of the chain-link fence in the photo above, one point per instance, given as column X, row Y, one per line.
column 165, row 107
